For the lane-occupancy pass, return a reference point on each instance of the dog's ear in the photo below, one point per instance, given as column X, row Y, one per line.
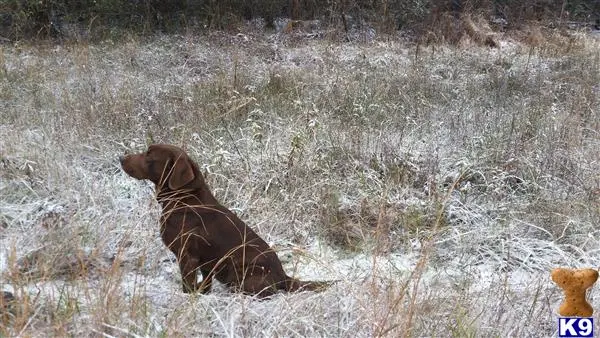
column 181, row 174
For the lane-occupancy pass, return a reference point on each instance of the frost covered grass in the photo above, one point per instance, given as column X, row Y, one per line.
column 439, row 186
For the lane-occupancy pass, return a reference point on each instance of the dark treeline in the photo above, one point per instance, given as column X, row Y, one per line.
column 21, row 19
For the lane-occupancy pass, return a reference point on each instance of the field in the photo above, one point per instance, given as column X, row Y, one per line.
column 438, row 184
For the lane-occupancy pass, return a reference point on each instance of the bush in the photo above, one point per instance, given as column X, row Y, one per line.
column 21, row 19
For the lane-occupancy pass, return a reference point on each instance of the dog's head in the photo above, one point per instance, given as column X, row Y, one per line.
column 164, row 165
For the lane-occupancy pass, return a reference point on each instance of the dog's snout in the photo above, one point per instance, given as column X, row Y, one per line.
column 121, row 159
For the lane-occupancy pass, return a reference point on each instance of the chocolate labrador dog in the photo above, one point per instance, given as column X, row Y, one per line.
column 204, row 235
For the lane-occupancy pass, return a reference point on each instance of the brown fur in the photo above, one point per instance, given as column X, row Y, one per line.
column 204, row 235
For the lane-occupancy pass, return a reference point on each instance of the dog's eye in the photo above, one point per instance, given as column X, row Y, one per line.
column 147, row 158
column 150, row 164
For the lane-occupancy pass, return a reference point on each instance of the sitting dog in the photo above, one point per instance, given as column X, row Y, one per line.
column 204, row 235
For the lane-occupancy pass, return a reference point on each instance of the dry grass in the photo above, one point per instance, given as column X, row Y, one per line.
column 439, row 187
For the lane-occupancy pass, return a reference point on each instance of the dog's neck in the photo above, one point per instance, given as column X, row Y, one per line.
column 194, row 193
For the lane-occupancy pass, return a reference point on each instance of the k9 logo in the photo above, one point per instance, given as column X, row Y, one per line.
column 575, row 327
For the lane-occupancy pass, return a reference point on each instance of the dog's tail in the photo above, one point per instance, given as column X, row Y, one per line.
column 293, row 284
